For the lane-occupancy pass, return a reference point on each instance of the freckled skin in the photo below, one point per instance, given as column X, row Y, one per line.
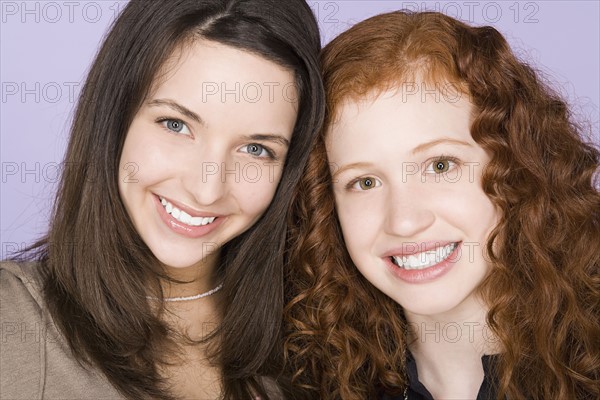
column 409, row 199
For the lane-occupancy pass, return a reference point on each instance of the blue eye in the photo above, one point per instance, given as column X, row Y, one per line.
column 257, row 150
column 175, row 125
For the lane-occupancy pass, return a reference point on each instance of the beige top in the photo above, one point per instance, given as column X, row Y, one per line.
column 35, row 360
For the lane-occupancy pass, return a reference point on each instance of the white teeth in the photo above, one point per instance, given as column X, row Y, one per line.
column 196, row 221
column 424, row 259
column 184, row 217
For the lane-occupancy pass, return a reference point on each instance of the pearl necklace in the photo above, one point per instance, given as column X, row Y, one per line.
column 188, row 298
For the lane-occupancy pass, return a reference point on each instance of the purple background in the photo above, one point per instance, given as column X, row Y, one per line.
column 47, row 48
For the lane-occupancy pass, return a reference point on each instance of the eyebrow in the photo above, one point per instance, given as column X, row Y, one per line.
column 424, row 146
column 420, row 148
column 177, row 107
column 346, row 167
column 261, row 137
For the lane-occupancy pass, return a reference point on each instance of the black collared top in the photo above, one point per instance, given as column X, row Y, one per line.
column 418, row 391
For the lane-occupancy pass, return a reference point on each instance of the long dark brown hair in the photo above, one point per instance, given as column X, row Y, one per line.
column 97, row 270
column 346, row 339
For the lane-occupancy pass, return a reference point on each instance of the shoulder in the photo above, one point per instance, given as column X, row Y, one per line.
column 21, row 300
column 21, row 282
column 21, row 318
column 20, row 294
column 36, row 359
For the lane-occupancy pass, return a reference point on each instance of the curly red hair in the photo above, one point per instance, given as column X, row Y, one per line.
column 346, row 339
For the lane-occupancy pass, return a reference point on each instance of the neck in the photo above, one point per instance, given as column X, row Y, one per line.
column 448, row 348
column 192, row 280
column 195, row 318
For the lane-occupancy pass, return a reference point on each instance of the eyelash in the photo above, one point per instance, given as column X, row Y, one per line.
column 160, row 121
column 350, row 185
column 271, row 154
column 454, row 160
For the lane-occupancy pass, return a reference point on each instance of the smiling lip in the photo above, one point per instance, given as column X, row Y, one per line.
column 408, row 249
column 184, row 229
column 190, row 211
column 423, row 275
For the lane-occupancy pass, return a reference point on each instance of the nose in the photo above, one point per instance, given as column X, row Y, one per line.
column 207, row 180
column 407, row 210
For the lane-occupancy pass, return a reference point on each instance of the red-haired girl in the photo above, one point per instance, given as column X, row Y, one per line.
column 445, row 241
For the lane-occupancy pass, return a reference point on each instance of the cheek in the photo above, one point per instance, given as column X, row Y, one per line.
column 255, row 190
column 146, row 158
column 359, row 237
column 473, row 212
column 359, row 225
column 128, row 168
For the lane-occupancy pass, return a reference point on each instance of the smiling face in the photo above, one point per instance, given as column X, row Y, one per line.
column 204, row 154
column 407, row 184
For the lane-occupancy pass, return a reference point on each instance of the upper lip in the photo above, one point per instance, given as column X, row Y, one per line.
column 192, row 212
column 410, row 248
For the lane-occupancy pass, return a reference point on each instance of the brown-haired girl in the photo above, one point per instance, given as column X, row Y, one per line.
column 445, row 242
column 161, row 275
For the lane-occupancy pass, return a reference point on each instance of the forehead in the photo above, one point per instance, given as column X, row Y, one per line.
column 229, row 88
column 205, row 68
column 405, row 116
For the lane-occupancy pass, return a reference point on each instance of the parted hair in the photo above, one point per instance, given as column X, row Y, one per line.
column 346, row 340
column 97, row 271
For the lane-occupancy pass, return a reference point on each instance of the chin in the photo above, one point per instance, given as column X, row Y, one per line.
column 175, row 258
column 428, row 307
column 181, row 263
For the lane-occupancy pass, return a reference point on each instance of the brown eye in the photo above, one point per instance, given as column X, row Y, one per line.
column 441, row 166
column 366, row 183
